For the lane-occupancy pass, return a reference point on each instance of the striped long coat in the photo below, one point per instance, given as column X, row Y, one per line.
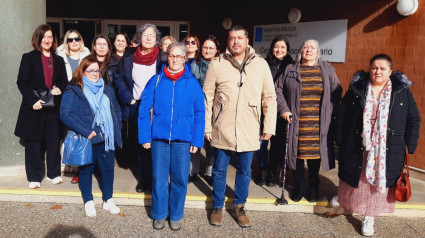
column 288, row 93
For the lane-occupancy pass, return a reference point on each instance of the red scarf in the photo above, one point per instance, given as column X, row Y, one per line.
column 148, row 59
column 172, row 76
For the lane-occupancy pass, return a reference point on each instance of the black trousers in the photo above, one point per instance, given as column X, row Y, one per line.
column 313, row 172
column 36, row 152
column 137, row 152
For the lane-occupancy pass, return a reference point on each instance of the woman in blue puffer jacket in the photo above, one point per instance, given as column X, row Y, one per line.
column 176, row 130
column 85, row 100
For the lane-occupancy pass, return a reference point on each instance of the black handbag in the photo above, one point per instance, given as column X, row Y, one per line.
column 45, row 94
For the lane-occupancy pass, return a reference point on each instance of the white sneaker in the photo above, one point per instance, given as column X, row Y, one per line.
column 33, row 185
column 367, row 226
column 56, row 180
column 110, row 206
column 334, row 201
column 90, row 209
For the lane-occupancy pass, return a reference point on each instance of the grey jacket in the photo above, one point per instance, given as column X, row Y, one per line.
column 288, row 93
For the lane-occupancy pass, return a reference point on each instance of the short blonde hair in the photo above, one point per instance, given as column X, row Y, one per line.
column 65, row 41
column 172, row 39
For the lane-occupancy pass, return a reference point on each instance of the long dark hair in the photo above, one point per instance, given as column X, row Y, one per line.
column 276, row 39
column 38, row 35
column 104, row 64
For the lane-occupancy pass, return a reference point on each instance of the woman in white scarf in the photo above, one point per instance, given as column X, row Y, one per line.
column 378, row 119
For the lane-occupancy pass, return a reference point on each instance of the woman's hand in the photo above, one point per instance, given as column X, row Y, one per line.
column 92, row 134
column 147, row 145
column 38, row 105
column 208, row 136
column 193, row 149
column 287, row 116
column 56, row 91
column 132, row 102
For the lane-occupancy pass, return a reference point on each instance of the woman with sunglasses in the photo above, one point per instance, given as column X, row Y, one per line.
column 175, row 132
column 134, row 70
column 72, row 51
column 210, row 50
column 193, row 46
column 40, row 126
column 86, row 100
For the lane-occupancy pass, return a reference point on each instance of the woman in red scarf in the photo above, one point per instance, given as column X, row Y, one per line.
column 134, row 70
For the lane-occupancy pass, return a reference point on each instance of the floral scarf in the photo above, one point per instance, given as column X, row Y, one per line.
column 375, row 137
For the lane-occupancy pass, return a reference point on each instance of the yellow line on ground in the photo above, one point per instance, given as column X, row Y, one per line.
column 188, row 197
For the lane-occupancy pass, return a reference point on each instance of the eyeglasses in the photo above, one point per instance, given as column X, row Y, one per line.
column 70, row 40
column 145, row 35
column 190, row 42
column 208, row 48
column 177, row 58
column 94, row 71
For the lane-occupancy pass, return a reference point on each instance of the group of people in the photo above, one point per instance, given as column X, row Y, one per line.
column 163, row 100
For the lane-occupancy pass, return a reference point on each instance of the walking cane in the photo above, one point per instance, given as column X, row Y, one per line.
column 282, row 200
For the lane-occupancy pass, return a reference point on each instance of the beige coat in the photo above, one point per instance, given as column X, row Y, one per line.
column 233, row 113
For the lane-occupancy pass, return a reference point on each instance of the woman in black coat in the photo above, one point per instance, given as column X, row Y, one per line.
column 40, row 126
column 377, row 120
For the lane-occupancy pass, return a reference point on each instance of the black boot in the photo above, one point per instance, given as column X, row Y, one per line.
column 262, row 179
column 313, row 180
column 270, row 181
column 299, row 182
column 313, row 191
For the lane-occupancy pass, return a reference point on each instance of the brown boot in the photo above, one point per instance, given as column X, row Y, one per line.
column 243, row 220
column 216, row 217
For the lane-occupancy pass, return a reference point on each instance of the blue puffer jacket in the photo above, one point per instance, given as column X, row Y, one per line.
column 75, row 113
column 178, row 112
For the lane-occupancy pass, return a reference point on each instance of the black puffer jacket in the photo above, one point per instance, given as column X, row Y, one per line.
column 403, row 128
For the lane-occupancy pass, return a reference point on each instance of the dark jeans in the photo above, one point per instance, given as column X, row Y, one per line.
column 105, row 161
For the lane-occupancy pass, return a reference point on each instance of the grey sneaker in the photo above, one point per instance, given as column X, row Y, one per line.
column 175, row 225
column 159, row 224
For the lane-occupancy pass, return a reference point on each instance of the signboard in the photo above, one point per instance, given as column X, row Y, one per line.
column 331, row 35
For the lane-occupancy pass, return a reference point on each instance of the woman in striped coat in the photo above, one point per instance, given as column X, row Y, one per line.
column 309, row 91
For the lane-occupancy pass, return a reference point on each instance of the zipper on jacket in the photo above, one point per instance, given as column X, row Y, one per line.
column 172, row 112
column 236, row 114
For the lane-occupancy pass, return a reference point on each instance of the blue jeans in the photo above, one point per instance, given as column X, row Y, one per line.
column 169, row 160
column 243, row 176
column 105, row 161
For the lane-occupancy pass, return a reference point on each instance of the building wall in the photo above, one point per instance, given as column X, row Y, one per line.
column 18, row 20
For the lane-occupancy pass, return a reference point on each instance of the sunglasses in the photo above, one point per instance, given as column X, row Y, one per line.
column 191, row 42
column 77, row 39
